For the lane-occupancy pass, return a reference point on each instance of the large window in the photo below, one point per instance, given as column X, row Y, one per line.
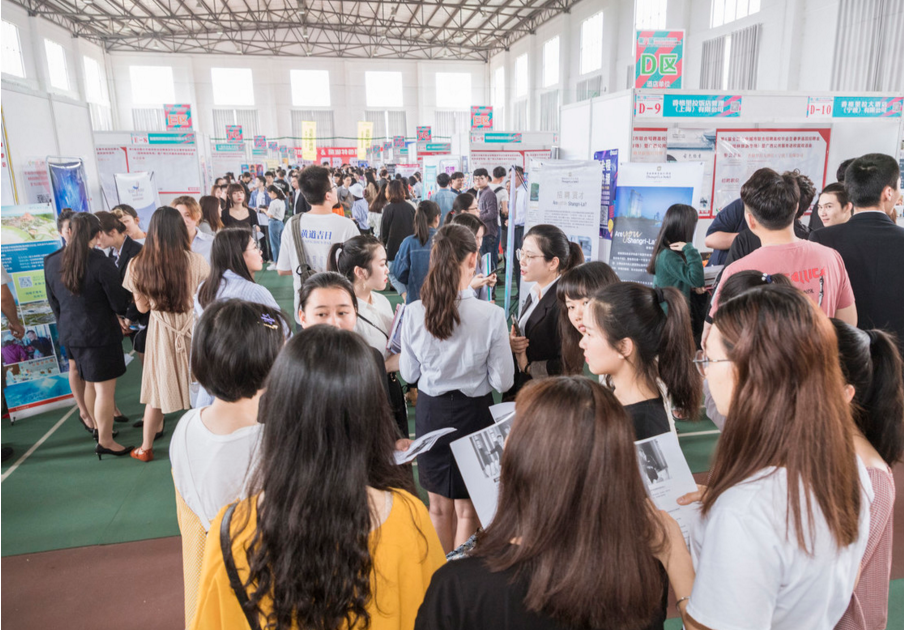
column 56, row 63
column 725, row 11
column 152, row 85
column 498, row 99
column 551, row 62
column 453, row 90
column 521, row 76
column 95, row 91
column 12, row 51
column 592, row 43
column 232, row 86
column 383, row 89
column 650, row 14
column 310, row 88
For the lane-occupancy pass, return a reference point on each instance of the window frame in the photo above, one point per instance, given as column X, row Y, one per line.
column 442, row 100
column 382, row 103
column 550, row 81
column 228, row 102
column 17, row 49
column 104, row 98
column 58, row 73
column 522, row 75
column 751, row 7
column 586, row 51
column 168, row 94
column 300, row 73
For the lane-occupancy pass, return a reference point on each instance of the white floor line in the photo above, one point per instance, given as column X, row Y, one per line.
column 28, row 453
column 34, row 447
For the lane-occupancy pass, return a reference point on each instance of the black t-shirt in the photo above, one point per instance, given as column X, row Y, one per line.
column 465, row 594
column 230, row 221
column 649, row 418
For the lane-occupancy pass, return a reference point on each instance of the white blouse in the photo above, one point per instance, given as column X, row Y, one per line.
column 379, row 316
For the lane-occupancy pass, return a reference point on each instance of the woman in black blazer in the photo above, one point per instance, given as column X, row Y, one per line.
column 545, row 254
column 114, row 237
column 86, row 295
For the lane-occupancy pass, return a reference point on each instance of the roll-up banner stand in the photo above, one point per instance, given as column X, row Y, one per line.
column 35, row 370
column 68, row 183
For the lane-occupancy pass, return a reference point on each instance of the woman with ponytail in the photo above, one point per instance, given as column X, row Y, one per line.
column 413, row 258
column 362, row 261
column 871, row 366
column 457, row 346
column 86, row 295
column 545, row 254
column 640, row 338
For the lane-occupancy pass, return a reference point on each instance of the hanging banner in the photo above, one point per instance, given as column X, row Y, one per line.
column 649, row 145
column 260, row 146
column 68, row 183
column 482, row 117
column 336, row 156
column 741, row 152
column 35, row 367
column 609, row 162
column 701, row 106
column 177, row 116
column 272, row 146
column 424, row 134
column 658, row 59
column 569, row 196
column 643, row 194
column 234, row 133
column 139, row 191
column 308, row 140
column 398, row 142
column 868, row 106
column 365, row 138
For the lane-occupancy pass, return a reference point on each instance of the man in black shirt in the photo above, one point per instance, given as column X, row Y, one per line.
column 300, row 204
column 871, row 244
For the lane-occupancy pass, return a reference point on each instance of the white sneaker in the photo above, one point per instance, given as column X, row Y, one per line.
column 271, row 267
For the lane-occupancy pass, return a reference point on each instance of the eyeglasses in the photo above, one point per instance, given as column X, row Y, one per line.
column 520, row 255
column 255, row 247
column 701, row 361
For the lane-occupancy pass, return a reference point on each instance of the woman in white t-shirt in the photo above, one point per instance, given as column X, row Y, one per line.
column 276, row 212
column 362, row 260
column 214, row 449
column 763, row 554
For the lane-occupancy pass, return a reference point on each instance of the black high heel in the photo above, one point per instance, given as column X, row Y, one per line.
column 160, row 433
column 100, row 450
column 96, row 437
column 120, row 418
column 85, row 424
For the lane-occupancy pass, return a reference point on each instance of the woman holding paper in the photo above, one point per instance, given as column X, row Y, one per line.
column 573, row 541
column 456, row 347
column 640, row 339
column 784, row 520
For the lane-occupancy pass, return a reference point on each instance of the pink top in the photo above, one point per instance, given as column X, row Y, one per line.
column 815, row 269
column 868, row 609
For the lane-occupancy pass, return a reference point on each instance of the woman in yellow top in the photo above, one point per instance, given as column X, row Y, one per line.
column 329, row 538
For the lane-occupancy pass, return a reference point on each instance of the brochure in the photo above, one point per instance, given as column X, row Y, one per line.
column 479, row 458
column 421, row 445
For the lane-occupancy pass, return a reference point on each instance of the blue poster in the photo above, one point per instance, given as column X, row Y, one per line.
column 69, row 185
column 609, row 161
column 35, row 365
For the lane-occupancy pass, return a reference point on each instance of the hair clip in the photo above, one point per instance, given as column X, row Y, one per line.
column 269, row 322
column 767, row 278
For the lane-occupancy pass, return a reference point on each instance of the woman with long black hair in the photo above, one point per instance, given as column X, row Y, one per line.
column 458, row 347
column 574, row 290
column 675, row 261
column 328, row 538
column 163, row 279
column 86, row 295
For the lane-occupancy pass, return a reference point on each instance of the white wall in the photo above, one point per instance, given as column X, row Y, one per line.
column 273, row 90
column 43, row 121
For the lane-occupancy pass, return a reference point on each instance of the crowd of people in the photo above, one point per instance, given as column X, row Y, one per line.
column 292, row 509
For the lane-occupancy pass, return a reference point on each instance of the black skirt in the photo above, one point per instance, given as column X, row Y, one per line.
column 96, row 365
column 437, row 471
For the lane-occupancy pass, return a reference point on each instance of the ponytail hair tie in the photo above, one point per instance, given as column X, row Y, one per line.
column 660, row 295
column 873, row 336
column 767, row 279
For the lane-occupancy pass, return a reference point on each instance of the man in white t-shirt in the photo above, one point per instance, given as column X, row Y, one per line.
column 320, row 228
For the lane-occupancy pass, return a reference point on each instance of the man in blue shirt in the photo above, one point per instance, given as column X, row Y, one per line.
column 726, row 226
column 444, row 197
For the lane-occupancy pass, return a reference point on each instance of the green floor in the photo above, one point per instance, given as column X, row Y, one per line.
column 62, row 496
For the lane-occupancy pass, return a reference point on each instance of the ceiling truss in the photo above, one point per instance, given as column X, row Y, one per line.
column 376, row 29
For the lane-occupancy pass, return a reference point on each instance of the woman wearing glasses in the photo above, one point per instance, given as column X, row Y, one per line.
column 640, row 339
column 545, row 254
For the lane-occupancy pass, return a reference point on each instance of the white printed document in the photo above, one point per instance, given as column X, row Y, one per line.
column 421, row 445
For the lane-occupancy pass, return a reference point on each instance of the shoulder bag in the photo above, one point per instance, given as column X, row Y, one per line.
column 234, row 580
column 303, row 270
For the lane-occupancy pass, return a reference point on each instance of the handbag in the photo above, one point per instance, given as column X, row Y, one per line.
column 234, row 580
column 304, row 270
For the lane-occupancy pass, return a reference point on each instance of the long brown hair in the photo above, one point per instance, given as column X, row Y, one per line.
column 788, row 409
column 439, row 293
column 663, row 341
column 580, row 283
column 571, row 494
column 85, row 226
column 234, row 188
column 426, row 214
column 162, row 268
column 210, row 212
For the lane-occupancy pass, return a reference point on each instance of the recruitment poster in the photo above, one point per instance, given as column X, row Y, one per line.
column 569, row 198
column 481, row 117
column 35, row 368
column 68, row 184
column 649, row 145
column 644, row 193
column 609, row 161
column 234, row 133
column 741, row 152
column 687, row 144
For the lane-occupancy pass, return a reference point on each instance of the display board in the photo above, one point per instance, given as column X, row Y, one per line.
column 643, row 195
column 171, row 157
column 36, row 367
column 569, row 198
column 226, row 158
column 68, row 183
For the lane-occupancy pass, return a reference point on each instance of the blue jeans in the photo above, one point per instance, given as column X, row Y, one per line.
column 396, row 283
column 276, row 229
column 490, row 246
